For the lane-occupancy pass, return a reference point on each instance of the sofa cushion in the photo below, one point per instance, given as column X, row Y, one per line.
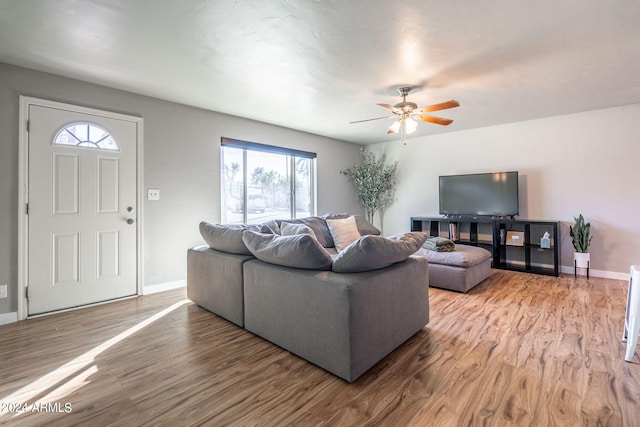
column 298, row 251
column 291, row 229
column 317, row 224
column 364, row 226
column 226, row 237
column 375, row 252
column 343, row 231
column 271, row 227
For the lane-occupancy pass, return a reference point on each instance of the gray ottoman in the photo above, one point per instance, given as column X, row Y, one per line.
column 459, row 270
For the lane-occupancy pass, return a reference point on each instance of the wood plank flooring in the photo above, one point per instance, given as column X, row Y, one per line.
column 517, row 350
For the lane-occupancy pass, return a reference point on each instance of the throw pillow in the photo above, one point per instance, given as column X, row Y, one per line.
column 364, row 226
column 226, row 237
column 319, row 227
column 298, row 251
column 270, row 226
column 375, row 252
column 291, row 229
column 343, row 231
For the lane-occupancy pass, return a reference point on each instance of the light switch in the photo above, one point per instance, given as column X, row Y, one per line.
column 153, row 194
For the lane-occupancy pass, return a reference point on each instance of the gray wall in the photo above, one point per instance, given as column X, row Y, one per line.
column 578, row 163
column 181, row 158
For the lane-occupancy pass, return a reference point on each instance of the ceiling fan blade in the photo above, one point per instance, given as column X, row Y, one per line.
column 390, row 108
column 437, row 107
column 432, row 119
column 368, row 120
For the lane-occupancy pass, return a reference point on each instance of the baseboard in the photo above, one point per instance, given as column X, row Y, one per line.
column 161, row 287
column 6, row 318
column 595, row 273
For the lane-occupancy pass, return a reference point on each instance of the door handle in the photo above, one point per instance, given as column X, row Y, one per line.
column 130, row 221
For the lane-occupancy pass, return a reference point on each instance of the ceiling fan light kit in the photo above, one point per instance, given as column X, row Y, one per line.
column 395, row 127
column 407, row 114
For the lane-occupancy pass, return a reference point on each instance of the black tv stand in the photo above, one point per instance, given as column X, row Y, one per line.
column 478, row 217
column 502, row 218
column 526, row 253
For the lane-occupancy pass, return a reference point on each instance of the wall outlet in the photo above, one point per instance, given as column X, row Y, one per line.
column 3, row 291
column 153, row 194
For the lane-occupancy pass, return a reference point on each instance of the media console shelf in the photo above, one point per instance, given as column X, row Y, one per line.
column 514, row 244
column 474, row 232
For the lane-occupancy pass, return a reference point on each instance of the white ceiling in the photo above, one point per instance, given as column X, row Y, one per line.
column 316, row 65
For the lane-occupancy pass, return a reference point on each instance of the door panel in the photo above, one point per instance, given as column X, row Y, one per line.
column 108, row 251
column 81, row 250
column 66, row 198
column 65, row 258
column 107, row 185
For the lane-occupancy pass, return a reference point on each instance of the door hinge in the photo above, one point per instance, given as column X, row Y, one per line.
column 26, row 293
column 28, row 125
column 26, row 209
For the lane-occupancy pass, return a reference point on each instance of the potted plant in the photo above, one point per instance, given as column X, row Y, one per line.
column 374, row 183
column 580, row 233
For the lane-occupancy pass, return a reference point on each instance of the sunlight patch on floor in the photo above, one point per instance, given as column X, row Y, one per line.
column 73, row 375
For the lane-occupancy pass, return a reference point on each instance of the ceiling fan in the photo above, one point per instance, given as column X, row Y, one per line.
column 406, row 114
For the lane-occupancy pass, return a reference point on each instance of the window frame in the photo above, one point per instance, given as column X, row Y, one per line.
column 292, row 156
column 89, row 143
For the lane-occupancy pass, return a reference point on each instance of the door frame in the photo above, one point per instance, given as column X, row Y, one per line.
column 23, row 190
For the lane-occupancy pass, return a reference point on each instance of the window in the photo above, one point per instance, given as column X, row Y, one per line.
column 83, row 134
column 272, row 182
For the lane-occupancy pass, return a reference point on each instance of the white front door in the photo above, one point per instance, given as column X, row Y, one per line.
column 82, row 213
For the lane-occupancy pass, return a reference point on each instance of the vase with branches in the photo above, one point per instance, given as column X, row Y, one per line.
column 374, row 182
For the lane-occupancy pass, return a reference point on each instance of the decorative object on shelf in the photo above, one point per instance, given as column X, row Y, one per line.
column 406, row 114
column 580, row 234
column 374, row 182
column 545, row 241
column 454, row 233
column 515, row 238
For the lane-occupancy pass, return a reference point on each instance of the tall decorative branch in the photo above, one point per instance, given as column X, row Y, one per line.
column 374, row 183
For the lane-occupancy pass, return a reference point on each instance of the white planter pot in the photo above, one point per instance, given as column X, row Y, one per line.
column 582, row 259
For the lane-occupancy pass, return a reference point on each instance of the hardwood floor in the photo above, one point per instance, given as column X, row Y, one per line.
column 517, row 350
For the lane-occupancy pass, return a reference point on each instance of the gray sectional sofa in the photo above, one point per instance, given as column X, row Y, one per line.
column 344, row 322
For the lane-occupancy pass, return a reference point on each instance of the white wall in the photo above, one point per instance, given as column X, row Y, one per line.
column 181, row 158
column 579, row 163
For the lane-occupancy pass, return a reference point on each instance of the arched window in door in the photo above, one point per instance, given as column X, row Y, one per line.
column 85, row 134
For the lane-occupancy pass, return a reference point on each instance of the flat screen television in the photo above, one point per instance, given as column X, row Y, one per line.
column 480, row 194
